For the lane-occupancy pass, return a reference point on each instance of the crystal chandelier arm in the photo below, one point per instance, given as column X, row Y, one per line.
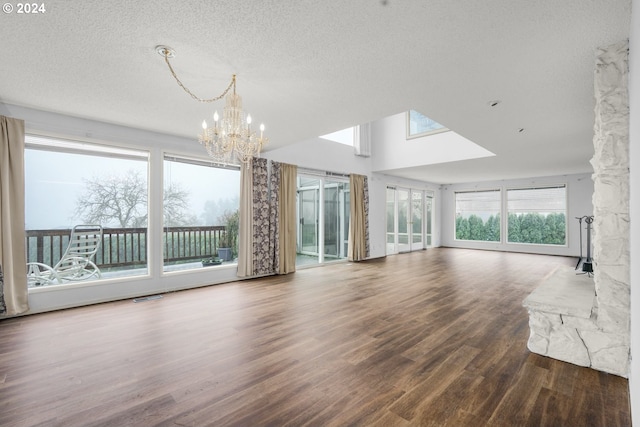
column 167, row 53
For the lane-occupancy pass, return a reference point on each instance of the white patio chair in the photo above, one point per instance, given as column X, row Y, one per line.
column 75, row 264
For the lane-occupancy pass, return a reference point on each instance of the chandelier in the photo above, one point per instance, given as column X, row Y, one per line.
column 231, row 138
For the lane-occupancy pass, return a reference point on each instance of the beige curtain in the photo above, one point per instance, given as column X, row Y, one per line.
column 13, row 263
column 358, row 248
column 287, row 218
column 245, row 238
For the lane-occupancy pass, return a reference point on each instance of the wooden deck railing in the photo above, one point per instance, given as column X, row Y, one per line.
column 127, row 247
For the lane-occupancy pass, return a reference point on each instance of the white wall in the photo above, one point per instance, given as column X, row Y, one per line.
column 634, row 138
column 391, row 149
column 579, row 193
column 321, row 154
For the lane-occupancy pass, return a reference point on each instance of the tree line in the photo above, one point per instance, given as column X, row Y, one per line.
column 530, row 227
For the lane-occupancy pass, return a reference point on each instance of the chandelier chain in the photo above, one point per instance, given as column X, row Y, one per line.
column 194, row 96
column 231, row 138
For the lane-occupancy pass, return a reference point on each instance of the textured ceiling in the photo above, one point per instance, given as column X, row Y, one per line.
column 308, row 68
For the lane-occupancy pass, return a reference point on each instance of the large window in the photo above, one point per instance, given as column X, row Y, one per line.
column 478, row 215
column 69, row 184
column 537, row 215
column 201, row 217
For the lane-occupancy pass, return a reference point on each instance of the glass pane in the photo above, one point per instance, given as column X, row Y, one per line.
column 391, row 215
column 346, row 217
column 416, row 216
column 429, row 213
column 308, row 212
column 419, row 124
column 334, row 230
column 331, row 220
column 307, row 182
column 200, row 219
column 403, row 216
column 537, row 215
column 478, row 215
column 101, row 189
column 309, row 220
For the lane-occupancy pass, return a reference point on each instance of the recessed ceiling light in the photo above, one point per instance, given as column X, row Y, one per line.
column 521, row 130
column 493, row 103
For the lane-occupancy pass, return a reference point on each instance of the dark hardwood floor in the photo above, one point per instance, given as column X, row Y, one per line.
column 436, row 337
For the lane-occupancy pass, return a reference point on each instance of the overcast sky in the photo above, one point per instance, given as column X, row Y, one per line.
column 54, row 182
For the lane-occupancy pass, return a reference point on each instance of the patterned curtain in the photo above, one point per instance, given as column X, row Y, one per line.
column 13, row 261
column 3, row 307
column 358, row 248
column 266, row 220
column 274, row 213
column 262, row 260
column 365, row 202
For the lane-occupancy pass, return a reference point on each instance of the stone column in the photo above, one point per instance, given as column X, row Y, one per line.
column 611, row 207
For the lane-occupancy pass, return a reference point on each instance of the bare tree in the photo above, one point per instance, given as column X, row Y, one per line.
column 176, row 207
column 121, row 201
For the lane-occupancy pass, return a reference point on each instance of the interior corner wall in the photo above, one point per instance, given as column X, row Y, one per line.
column 634, row 207
column 579, row 194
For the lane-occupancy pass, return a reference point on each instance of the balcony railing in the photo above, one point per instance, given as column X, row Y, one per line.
column 127, row 247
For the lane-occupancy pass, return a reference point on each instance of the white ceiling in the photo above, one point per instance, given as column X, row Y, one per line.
column 307, row 68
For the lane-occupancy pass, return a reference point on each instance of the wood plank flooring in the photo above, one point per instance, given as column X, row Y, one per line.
column 430, row 338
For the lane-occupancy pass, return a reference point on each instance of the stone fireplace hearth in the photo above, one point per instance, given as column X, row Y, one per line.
column 562, row 324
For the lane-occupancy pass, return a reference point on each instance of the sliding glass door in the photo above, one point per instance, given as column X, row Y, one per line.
column 308, row 216
column 323, row 219
column 336, row 219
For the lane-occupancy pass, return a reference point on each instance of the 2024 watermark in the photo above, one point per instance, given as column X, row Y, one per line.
column 24, row 8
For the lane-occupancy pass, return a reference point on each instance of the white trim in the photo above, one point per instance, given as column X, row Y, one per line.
column 566, row 215
column 61, row 144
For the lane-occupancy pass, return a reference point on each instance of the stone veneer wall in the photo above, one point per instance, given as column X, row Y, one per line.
column 596, row 334
column 611, row 239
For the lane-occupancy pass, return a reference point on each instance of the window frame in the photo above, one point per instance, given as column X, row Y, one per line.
column 410, row 135
column 194, row 160
column 500, row 212
column 74, row 145
column 537, row 187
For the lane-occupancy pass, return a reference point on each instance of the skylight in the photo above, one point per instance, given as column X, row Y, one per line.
column 420, row 125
